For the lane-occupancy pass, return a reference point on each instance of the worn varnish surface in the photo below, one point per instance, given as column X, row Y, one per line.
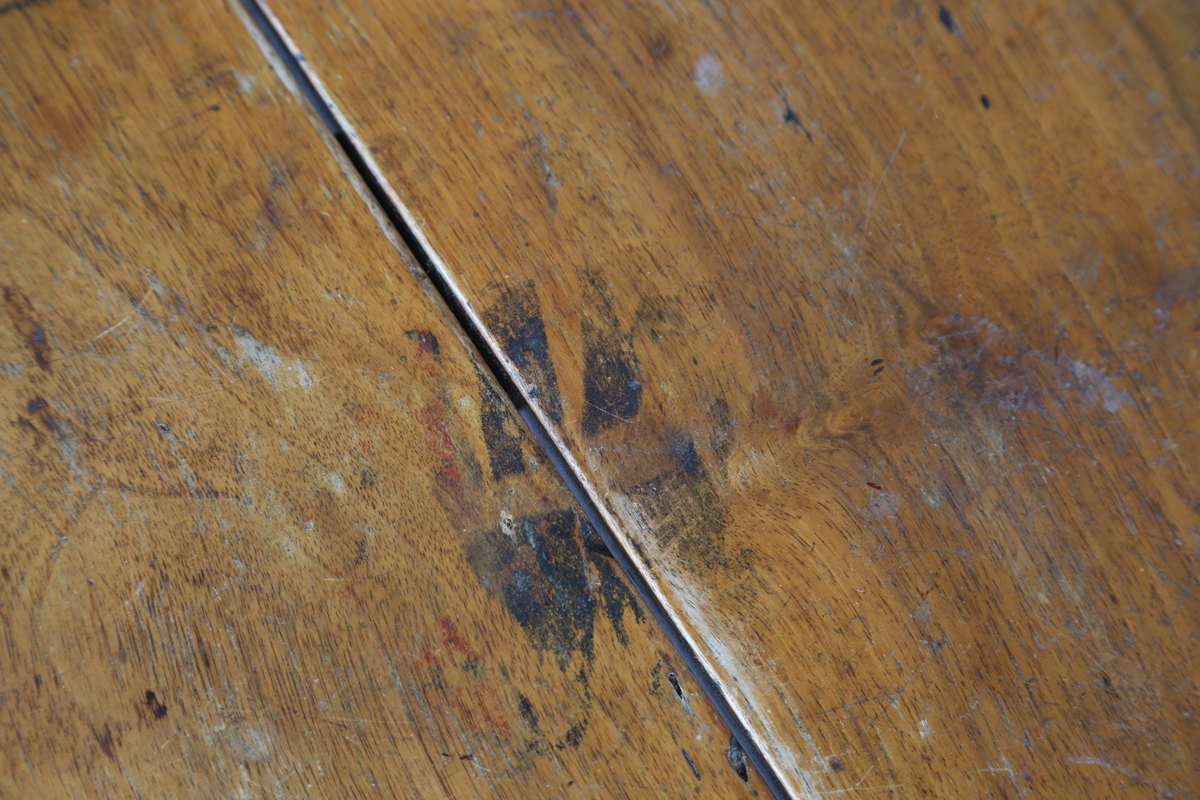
column 267, row 530
column 873, row 327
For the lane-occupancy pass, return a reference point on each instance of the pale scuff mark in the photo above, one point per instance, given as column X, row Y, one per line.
column 291, row 372
column 1100, row 387
column 708, row 75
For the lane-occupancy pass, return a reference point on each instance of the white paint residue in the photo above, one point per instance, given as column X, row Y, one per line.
column 245, row 82
column 336, row 480
column 302, row 377
column 12, row 370
column 708, row 75
column 292, row 372
column 506, row 524
column 1100, row 386
column 926, row 731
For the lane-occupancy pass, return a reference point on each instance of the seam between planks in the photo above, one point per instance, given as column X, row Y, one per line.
column 281, row 51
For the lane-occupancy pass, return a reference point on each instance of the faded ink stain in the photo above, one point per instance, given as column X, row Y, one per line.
column 1184, row 283
column 982, row 360
column 541, row 572
column 527, row 713
column 500, row 432
column 28, row 328
column 612, row 387
column 516, row 320
column 688, row 514
column 616, row 596
column 658, row 46
column 541, row 575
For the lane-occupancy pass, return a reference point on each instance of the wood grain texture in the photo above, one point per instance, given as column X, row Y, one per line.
column 267, row 529
column 873, row 328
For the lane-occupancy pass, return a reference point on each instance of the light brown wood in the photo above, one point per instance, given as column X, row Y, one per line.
column 872, row 328
column 267, row 529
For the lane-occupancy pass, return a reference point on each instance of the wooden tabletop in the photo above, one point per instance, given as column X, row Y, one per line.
column 867, row 335
column 267, row 527
column 871, row 331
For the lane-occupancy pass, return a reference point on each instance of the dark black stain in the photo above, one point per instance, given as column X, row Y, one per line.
column 527, row 713
column 612, row 386
column 673, row 679
column 368, row 480
column 37, row 679
column 597, row 293
column 947, row 19
column 789, row 116
column 685, row 450
column 500, row 432
column 876, row 362
column 28, row 328
column 983, row 98
column 691, row 763
column 616, row 596
column 591, row 539
column 157, row 709
column 935, row 647
column 465, row 757
column 538, row 569
column 875, row 486
column 574, row 735
column 36, row 405
column 836, row 764
column 737, row 759
column 20, row 5
column 516, row 322
column 656, row 682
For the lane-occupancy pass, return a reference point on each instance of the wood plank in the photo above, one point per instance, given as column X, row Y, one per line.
column 268, row 530
column 872, row 329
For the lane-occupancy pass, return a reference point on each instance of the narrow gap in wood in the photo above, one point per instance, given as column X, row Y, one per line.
column 742, row 747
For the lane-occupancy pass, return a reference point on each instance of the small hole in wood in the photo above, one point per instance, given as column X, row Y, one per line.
column 737, row 760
